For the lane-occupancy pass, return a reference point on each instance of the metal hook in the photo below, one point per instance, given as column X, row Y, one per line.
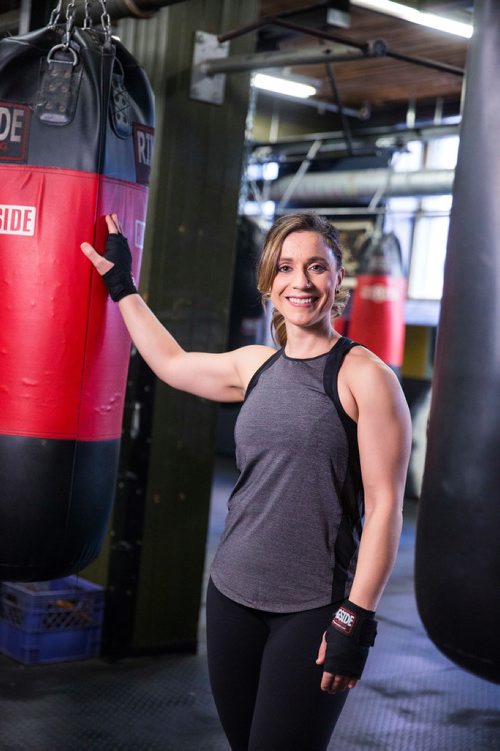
column 65, row 48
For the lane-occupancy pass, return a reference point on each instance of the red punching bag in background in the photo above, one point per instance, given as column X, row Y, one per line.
column 76, row 128
column 377, row 314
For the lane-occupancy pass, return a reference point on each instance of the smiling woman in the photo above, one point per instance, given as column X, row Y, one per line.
column 301, row 264
column 304, row 287
column 314, row 519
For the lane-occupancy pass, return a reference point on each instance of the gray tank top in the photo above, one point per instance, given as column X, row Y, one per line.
column 294, row 517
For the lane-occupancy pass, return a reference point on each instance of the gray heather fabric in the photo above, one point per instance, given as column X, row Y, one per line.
column 277, row 552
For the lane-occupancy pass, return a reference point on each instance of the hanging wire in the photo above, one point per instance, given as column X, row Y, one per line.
column 70, row 22
column 345, row 122
column 106, row 22
column 55, row 15
column 87, row 21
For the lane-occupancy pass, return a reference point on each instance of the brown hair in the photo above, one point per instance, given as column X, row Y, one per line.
column 268, row 264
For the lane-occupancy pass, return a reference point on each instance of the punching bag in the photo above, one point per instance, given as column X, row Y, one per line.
column 457, row 567
column 378, row 307
column 76, row 129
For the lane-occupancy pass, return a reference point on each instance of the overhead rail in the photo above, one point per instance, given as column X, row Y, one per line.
column 117, row 9
column 284, row 58
column 366, row 48
column 323, row 188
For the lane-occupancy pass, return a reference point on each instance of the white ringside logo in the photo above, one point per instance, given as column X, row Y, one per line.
column 17, row 220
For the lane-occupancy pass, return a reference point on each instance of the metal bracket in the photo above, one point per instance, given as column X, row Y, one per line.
column 207, row 88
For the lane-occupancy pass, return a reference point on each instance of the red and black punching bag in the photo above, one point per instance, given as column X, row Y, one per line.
column 457, row 566
column 378, row 307
column 76, row 131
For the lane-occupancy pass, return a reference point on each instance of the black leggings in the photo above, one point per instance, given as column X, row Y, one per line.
column 264, row 677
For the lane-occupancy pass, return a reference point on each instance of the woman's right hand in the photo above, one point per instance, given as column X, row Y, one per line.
column 115, row 266
column 101, row 263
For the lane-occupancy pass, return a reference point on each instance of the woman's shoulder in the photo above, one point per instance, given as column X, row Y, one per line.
column 250, row 358
column 362, row 367
column 254, row 355
column 367, row 384
column 359, row 356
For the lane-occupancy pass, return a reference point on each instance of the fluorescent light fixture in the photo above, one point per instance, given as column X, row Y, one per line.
column 417, row 16
column 270, row 170
column 253, row 208
column 266, row 171
column 283, row 86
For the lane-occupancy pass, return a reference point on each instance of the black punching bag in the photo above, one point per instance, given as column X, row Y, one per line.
column 76, row 117
column 458, row 533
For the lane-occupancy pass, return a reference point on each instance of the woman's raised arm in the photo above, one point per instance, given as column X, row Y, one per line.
column 216, row 376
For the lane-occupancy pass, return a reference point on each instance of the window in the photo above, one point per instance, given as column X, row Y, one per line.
column 421, row 224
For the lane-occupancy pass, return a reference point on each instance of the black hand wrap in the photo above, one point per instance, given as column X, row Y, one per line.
column 348, row 638
column 119, row 280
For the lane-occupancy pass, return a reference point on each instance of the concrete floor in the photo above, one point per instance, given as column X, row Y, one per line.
column 411, row 698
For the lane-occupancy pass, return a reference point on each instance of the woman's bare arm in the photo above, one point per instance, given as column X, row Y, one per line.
column 384, row 441
column 217, row 376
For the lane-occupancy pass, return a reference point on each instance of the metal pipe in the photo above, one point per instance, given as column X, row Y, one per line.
column 280, row 21
column 136, row 8
column 261, row 60
column 122, row 9
column 297, row 178
column 423, row 131
column 343, row 118
column 362, row 211
column 320, row 104
column 426, row 63
column 378, row 46
column 325, row 188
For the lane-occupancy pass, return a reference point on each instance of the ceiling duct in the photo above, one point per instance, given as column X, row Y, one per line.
column 325, row 188
column 122, row 8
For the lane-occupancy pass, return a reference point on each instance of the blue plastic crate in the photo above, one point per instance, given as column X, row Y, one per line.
column 51, row 621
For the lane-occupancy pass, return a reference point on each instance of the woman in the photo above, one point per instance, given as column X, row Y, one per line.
column 323, row 441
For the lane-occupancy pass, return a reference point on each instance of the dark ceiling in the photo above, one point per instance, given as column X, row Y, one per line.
column 380, row 85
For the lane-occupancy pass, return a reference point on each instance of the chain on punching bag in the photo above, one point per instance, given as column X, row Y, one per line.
column 377, row 315
column 76, row 130
column 458, row 551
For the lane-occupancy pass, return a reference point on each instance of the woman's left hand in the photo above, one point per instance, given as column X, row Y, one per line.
column 330, row 682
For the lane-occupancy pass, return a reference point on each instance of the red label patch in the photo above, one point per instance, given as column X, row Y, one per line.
column 14, row 131
column 344, row 620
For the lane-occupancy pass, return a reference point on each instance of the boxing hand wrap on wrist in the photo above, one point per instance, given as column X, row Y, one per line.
column 119, row 280
column 348, row 638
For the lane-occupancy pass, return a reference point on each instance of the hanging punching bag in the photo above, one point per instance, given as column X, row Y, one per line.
column 377, row 313
column 457, row 571
column 76, row 129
